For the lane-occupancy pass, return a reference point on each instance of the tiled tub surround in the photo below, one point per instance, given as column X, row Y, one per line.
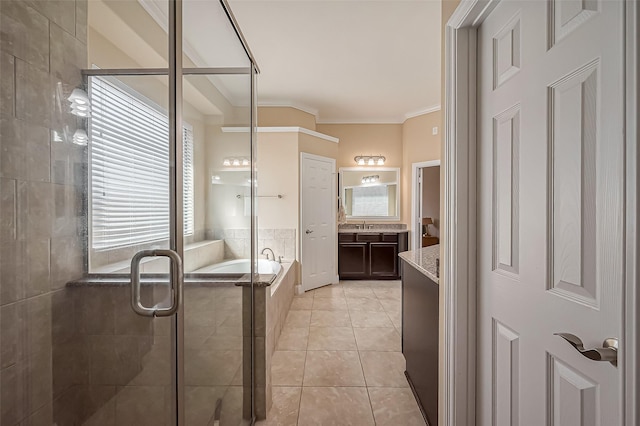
column 238, row 242
column 196, row 256
column 42, row 216
column 272, row 306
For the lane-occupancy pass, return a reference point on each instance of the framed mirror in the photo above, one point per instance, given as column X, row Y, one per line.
column 370, row 193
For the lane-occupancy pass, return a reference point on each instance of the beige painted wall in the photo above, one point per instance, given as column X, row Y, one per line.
column 278, row 166
column 285, row 117
column 366, row 139
column 418, row 144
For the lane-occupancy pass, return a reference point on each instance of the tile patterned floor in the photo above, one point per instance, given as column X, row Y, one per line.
column 338, row 360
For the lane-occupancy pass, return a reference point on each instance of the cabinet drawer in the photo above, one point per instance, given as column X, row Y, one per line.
column 389, row 237
column 368, row 237
column 346, row 237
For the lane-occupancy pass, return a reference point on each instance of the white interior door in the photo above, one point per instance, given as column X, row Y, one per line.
column 318, row 221
column 550, row 211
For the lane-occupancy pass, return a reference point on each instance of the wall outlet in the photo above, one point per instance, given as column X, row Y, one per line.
column 434, row 131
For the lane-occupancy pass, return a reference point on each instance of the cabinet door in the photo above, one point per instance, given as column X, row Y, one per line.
column 383, row 259
column 352, row 260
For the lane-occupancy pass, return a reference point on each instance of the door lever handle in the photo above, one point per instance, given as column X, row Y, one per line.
column 308, row 232
column 608, row 351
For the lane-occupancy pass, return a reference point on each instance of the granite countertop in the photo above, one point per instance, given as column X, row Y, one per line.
column 377, row 228
column 424, row 260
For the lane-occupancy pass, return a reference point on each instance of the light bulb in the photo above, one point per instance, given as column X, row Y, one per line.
column 80, row 137
column 226, row 162
column 371, row 162
column 245, row 161
column 381, row 161
column 360, row 161
column 236, row 162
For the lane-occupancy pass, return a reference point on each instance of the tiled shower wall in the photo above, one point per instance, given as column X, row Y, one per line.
column 42, row 178
column 238, row 242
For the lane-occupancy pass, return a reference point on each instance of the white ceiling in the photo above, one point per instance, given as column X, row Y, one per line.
column 356, row 61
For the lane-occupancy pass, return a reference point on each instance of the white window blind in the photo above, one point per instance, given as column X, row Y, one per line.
column 370, row 201
column 129, row 154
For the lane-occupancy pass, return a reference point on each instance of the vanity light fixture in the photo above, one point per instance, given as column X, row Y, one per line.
column 80, row 104
column 370, row 179
column 369, row 160
column 80, row 137
column 236, row 162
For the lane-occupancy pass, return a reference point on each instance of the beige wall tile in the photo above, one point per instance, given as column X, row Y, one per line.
column 24, row 33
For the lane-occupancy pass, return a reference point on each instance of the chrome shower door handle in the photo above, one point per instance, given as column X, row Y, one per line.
column 176, row 282
column 608, row 352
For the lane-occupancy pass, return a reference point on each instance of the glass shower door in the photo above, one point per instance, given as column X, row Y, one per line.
column 171, row 196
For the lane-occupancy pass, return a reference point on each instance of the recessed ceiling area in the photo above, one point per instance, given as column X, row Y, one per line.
column 346, row 61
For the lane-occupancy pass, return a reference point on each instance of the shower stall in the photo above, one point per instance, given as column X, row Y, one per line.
column 121, row 189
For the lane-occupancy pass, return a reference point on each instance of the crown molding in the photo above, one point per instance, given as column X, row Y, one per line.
column 420, row 112
column 300, row 107
column 288, row 129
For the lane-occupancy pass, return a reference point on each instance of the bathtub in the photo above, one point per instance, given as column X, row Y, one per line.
column 241, row 266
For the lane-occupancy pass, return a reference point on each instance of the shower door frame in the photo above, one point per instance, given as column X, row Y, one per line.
column 175, row 73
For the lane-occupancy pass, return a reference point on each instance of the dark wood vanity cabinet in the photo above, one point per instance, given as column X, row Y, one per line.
column 369, row 255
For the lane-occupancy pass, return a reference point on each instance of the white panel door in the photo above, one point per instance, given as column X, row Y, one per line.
column 550, row 211
column 318, row 222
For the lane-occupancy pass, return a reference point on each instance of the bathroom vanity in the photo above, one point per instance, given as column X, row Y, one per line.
column 420, row 293
column 371, row 254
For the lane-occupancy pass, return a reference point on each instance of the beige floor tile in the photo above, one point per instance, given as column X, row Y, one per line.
column 297, row 319
column 331, row 339
column 384, row 369
column 360, row 292
column 388, row 293
column 331, row 406
column 368, row 319
column 301, row 304
column 391, row 305
column 395, row 406
column 377, row 339
column 210, row 367
column 362, row 304
column 285, row 408
column 333, row 368
column 355, row 284
column 396, row 319
column 200, row 403
column 329, row 304
column 329, row 291
column 293, row 339
column 330, row 319
column 386, row 284
column 287, row 368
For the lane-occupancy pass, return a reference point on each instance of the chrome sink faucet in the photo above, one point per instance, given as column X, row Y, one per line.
column 268, row 249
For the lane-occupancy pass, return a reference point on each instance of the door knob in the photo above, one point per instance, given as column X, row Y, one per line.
column 608, row 351
column 308, row 232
